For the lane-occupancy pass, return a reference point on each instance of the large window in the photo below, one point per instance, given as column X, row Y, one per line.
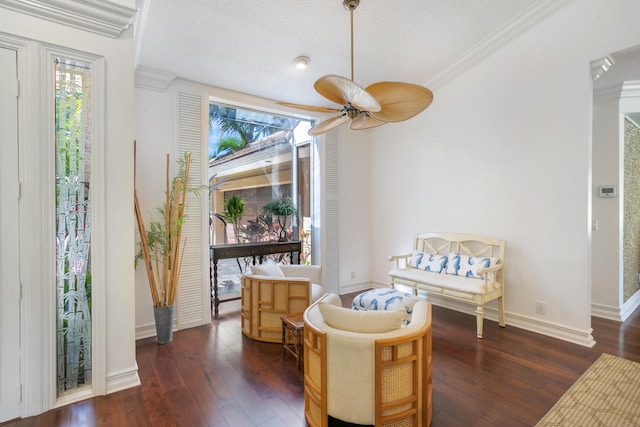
column 256, row 158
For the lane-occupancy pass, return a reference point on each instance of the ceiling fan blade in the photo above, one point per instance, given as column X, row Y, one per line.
column 327, row 125
column 364, row 121
column 343, row 91
column 310, row 107
column 399, row 101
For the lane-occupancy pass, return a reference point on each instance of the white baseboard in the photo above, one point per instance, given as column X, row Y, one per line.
column 550, row 329
column 630, row 306
column 616, row 313
column 148, row 330
column 355, row 287
column 145, row 331
column 554, row 330
column 606, row 312
column 123, row 379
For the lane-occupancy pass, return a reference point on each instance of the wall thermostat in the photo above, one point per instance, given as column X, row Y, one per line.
column 608, row 191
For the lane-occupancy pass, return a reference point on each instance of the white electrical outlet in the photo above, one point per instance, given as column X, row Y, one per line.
column 541, row 307
column 353, row 274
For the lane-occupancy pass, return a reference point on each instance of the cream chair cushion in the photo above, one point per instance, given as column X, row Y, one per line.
column 365, row 322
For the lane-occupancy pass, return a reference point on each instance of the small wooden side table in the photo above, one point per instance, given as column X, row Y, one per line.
column 292, row 335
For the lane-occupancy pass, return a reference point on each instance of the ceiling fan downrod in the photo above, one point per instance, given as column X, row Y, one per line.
column 351, row 5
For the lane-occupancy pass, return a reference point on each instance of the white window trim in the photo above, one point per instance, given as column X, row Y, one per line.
column 37, row 223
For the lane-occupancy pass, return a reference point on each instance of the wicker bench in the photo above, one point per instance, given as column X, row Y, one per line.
column 463, row 267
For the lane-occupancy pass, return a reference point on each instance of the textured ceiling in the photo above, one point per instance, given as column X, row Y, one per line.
column 249, row 46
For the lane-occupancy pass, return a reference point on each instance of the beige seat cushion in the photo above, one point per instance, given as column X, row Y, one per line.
column 366, row 322
column 447, row 281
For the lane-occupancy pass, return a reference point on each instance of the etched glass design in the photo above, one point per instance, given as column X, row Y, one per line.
column 73, row 225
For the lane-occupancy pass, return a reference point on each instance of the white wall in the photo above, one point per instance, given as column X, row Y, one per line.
column 155, row 138
column 116, row 262
column 355, row 218
column 606, row 240
column 505, row 151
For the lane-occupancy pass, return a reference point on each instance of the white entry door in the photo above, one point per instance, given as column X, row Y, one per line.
column 9, row 240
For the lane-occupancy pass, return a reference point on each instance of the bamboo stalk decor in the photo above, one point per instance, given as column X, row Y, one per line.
column 161, row 246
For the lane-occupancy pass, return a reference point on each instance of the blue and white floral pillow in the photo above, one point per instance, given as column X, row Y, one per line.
column 428, row 262
column 416, row 259
column 468, row 266
column 434, row 263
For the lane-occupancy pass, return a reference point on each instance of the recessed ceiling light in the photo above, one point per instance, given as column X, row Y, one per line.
column 301, row 62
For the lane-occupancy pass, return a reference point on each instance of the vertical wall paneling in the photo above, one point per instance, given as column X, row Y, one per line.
column 331, row 208
column 9, row 256
column 193, row 304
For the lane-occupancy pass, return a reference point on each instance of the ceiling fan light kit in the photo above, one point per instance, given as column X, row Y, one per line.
column 365, row 108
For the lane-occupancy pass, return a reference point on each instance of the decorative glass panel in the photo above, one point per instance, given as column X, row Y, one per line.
column 73, row 225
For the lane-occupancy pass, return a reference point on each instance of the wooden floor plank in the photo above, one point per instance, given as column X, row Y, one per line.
column 214, row 376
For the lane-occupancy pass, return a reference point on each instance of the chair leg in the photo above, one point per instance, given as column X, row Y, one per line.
column 284, row 336
column 501, row 320
column 479, row 320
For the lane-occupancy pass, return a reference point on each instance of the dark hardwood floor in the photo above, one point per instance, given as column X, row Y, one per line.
column 213, row 376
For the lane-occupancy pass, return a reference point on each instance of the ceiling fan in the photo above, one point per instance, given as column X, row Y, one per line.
column 379, row 103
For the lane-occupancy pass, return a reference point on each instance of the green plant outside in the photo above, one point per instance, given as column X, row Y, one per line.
column 281, row 209
column 234, row 208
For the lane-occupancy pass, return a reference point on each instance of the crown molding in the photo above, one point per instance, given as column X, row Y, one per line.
column 631, row 89
column 504, row 35
column 601, row 66
column 630, row 100
column 153, row 79
column 97, row 16
column 628, row 91
column 610, row 93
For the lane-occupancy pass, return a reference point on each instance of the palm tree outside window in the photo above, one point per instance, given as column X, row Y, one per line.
column 258, row 157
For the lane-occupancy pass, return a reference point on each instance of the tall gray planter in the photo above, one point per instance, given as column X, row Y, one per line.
column 164, row 323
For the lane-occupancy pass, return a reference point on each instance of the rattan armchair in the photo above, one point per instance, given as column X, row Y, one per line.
column 381, row 379
column 267, row 297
